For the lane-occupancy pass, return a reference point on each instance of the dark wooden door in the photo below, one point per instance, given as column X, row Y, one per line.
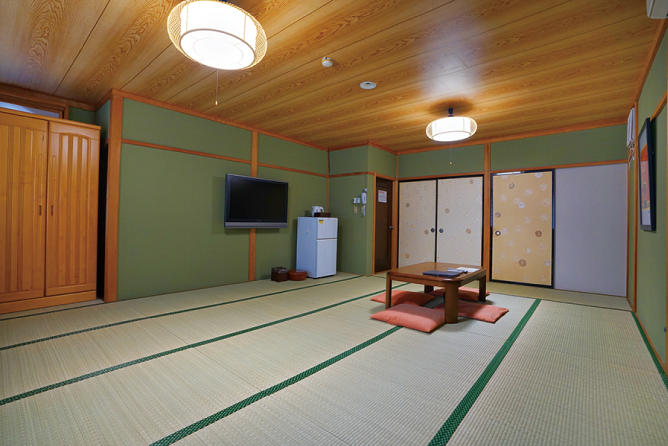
column 383, row 252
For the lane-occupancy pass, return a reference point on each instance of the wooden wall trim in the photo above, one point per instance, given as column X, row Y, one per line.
column 338, row 175
column 561, row 166
column 487, row 210
column 634, row 304
column 51, row 119
column 375, row 145
column 190, row 152
column 251, row 232
column 659, row 107
column 43, row 98
column 197, row 114
column 571, row 128
column 105, row 98
column 435, row 177
column 113, row 196
column 395, row 223
column 385, row 177
column 44, row 302
column 373, row 236
column 656, row 352
column 658, row 37
column 305, row 172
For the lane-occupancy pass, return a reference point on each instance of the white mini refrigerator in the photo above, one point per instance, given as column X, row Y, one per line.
column 316, row 245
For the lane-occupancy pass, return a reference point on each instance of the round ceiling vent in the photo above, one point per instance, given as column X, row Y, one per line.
column 368, row 85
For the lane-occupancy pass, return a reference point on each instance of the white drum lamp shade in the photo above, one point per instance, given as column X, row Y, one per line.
column 452, row 128
column 217, row 34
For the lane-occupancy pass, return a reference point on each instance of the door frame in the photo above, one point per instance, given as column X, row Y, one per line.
column 491, row 226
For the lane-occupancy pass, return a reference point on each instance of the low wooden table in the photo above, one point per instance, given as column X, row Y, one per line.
column 413, row 274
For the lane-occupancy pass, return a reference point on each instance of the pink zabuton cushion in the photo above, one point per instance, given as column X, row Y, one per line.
column 464, row 293
column 477, row 310
column 412, row 316
column 404, row 297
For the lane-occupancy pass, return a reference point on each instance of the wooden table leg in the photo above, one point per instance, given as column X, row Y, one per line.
column 451, row 303
column 388, row 291
column 482, row 289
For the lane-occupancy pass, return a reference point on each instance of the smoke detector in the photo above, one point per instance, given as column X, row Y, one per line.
column 367, row 85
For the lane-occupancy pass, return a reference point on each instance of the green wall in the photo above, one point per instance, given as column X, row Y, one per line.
column 171, row 219
column 81, row 115
column 278, row 247
column 362, row 159
column 279, row 152
column 584, row 146
column 156, row 125
column 102, row 116
column 355, row 236
column 651, row 292
column 458, row 160
column 171, row 235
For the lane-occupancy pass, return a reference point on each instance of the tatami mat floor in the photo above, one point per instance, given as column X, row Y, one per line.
column 301, row 363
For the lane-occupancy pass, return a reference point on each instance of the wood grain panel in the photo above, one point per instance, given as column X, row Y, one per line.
column 71, row 238
column 124, row 41
column 424, row 33
column 22, row 207
column 494, row 61
column 42, row 38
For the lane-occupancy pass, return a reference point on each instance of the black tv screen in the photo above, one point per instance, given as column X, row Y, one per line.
column 255, row 202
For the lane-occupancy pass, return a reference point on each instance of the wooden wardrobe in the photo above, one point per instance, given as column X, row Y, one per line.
column 48, row 211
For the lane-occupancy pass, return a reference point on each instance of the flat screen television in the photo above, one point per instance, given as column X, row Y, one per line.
column 255, row 202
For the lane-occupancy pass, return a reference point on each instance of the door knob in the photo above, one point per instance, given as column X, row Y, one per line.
column 433, row 230
column 497, row 233
column 441, row 230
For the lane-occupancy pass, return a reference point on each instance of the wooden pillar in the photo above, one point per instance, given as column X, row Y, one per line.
column 251, row 235
column 113, row 195
column 487, row 209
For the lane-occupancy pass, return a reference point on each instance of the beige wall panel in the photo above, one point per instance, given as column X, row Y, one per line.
column 417, row 222
column 522, row 228
column 460, row 221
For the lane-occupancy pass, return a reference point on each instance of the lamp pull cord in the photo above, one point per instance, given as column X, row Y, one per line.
column 216, row 87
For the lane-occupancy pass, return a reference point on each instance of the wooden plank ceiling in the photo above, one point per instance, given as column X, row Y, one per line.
column 515, row 66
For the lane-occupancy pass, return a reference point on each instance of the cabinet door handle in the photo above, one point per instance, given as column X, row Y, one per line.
column 51, row 210
column 441, row 230
column 40, row 209
column 433, row 230
column 391, row 227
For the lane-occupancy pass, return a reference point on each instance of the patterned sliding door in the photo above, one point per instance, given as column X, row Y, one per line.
column 417, row 222
column 460, row 221
column 522, row 228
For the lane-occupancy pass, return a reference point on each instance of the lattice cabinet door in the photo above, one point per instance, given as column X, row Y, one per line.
column 71, row 250
column 23, row 148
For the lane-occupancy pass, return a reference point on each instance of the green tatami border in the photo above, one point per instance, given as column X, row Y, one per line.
column 657, row 363
column 177, row 350
column 171, row 313
column 454, row 420
column 201, row 424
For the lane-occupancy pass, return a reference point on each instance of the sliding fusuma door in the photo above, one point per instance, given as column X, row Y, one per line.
column 417, row 222
column 522, row 206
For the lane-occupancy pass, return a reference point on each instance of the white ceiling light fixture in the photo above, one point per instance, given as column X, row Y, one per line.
column 452, row 128
column 217, row 34
column 327, row 62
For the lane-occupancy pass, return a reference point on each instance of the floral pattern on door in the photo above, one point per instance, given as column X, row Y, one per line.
column 522, row 228
column 460, row 221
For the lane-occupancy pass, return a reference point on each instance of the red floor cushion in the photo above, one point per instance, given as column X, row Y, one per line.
column 412, row 316
column 464, row 293
column 477, row 310
column 404, row 297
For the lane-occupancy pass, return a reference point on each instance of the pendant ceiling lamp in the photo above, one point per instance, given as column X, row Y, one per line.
column 452, row 128
column 217, row 34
